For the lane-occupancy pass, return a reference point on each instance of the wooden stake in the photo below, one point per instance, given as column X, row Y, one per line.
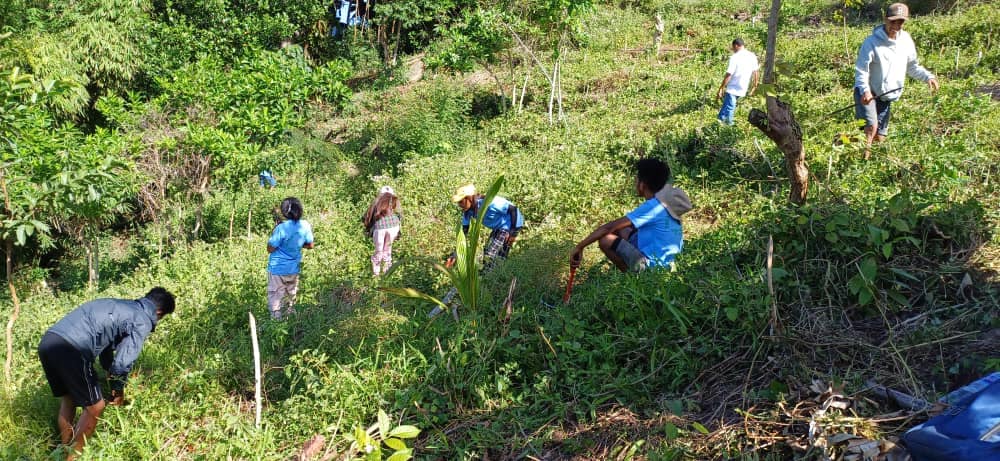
column 775, row 326
column 256, row 370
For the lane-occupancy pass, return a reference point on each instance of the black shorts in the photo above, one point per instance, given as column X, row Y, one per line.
column 68, row 371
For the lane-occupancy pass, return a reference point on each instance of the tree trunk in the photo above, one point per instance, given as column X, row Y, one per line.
column 778, row 123
column 9, row 266
column 250, row 217
column 772, row 39
column 9, row 362
column 199, row 218
column 500, row 90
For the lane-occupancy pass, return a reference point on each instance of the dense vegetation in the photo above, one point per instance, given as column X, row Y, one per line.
column 133, row 131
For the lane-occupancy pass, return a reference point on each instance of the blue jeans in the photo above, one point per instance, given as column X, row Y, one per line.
column 728, row 110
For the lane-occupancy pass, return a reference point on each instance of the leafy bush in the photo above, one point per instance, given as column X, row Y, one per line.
column 437, row 128
column 261, row 98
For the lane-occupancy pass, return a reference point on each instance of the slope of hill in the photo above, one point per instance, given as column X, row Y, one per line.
column 888, row 274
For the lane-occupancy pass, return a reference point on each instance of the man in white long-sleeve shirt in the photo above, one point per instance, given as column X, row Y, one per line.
column 886, row 57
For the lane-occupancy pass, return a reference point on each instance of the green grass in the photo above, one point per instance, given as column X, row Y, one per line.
column 517, row 389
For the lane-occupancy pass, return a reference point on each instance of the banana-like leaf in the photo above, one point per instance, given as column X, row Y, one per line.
column 413, row 294
column 449, row 272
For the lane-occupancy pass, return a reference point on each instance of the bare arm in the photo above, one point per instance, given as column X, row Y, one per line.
column 309, row 245
column 271, row 249
column 607, row 228
column 722, row 88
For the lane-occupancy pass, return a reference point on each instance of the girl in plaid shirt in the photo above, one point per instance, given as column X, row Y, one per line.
column 382, row 223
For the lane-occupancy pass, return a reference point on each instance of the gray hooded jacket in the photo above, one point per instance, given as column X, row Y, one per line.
column 120, row 324
column 883, row 64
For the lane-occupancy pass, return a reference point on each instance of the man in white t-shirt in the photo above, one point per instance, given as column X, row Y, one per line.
column 740, row 75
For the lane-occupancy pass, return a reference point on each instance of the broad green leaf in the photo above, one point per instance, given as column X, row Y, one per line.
column 676, row 407
column 405, row 432
column 699, row 427
column 383, row 424
column 732, row 313
column 670, row 430
column 360, row 437
column 40, row 226
column 395, row 443
column 887, row 250
column 900, row 225
column 865, row 296
column 768, row 89
column 904, row 274
column 401, row 455
column 869, row 269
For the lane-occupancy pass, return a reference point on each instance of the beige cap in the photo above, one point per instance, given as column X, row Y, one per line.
column 463, row 192
column 897, row 11
column 386, row 190
column 675, row 200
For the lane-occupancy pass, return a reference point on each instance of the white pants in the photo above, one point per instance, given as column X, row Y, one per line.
column 279, row 289
column 382, row 259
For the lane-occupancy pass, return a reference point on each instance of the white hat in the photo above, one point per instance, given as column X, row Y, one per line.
column 463, row 192
column 386, row 190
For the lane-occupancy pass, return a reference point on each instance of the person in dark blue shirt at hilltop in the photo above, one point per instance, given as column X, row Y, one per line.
column 112, row 330
column 266, row 178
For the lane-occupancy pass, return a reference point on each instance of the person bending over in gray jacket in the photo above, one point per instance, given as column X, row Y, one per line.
column 886, row 57
column 111, row 330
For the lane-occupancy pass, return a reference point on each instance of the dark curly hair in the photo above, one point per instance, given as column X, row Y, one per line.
column 291, row 208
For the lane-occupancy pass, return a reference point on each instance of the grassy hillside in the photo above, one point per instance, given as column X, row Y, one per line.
column 691, row 364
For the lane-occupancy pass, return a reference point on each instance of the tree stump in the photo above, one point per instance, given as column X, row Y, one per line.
column 779, row 124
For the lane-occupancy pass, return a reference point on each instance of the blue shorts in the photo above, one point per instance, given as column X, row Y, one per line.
column 875, row 113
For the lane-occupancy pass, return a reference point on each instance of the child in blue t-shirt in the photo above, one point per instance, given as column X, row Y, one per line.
column 285, row 254
column 650, row 235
